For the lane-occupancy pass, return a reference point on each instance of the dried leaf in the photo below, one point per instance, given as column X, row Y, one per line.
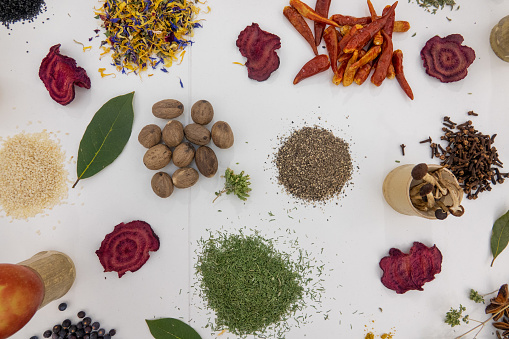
column 170, row 328
column 105, row 136
column 499, row 236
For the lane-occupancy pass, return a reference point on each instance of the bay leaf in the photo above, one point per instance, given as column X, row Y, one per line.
column 170, row 328
column 499, row 236
column 106, row 136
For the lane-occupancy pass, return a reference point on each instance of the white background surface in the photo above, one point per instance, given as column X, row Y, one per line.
column 355, row 233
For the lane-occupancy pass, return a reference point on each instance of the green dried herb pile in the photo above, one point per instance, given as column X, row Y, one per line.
column 251, row 286
column 433, row 5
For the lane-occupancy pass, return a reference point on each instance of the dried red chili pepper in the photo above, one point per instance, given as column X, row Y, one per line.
column 401, row 26
column 391, row 73
column 349, row 70
column 350, row 20
column 309, row 13
column 397, row 60
column 377, row 38
column 363, row 73
column 341, row 72
column 348, row 37
column 383, row 62
column 321, row 8
column 331, row 38
column 370, row 55
column 365, row 34
column 300, row 25
column 314, row 66
column 389, row 25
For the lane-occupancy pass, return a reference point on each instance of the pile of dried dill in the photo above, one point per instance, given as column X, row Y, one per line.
column 313, row 164
column 142, row 34
column 433, row 5
column 253, row 288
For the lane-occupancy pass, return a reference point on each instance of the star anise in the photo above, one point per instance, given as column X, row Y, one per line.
column 504, row 326
column 499, row 306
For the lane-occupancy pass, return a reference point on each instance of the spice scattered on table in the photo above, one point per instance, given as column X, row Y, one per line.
column 432, row 6
column 59, row 73
column 12, row 11
column 227, row 266
column 259, row 48
column 127, row 247
column 143, row 34
column 446, row 58
column 33, row 177
column 471, row 156
column 404, row 272
column 313, row 164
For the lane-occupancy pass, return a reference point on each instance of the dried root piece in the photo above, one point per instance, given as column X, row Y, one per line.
column 126, row 248
column 446, row 59
column 404, row 272
column 259, row 47
column 59, row 73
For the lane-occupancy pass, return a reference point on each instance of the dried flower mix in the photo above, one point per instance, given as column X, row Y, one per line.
column 33, row 177
column 143, row 34
column 404, row 272
column 126, row 248
column 59, row 73
column 446, row 59
column 259, row 47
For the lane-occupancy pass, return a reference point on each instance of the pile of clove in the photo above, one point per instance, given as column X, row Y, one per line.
column 470, row 156
column 436, row 191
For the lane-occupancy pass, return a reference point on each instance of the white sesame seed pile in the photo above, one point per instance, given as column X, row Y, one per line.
column 32, row 175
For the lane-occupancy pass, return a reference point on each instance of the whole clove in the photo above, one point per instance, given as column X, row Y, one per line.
column 402, row 149
column 470, row 156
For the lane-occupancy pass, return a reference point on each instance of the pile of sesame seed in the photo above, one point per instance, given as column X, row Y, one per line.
column 313, row 164
column 33, row 177
column 12, row 11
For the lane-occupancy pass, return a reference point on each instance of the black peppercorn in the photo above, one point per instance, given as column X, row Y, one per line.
column 95, row 326
column 62, row 307
column 57, row 328
column 81, row 314
column 66, row 323
column 87, row 321
column 47, row 334
column 112, row 332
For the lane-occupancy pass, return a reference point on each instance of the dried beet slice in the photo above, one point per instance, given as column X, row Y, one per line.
column 446, row 59
column 404, row 272
column 59, row 73
column 259, row 47
column 126, row 248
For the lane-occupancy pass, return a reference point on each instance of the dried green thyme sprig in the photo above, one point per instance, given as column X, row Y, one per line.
column 237, row 184
column 453, row 316
column 476, row 297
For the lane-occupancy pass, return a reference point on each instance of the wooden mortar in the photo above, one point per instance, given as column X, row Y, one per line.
column 56, row 270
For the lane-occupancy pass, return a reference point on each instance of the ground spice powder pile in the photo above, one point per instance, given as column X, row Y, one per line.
column 12, row 11
column 32, row 175
column 313, row 164
column 249, row 284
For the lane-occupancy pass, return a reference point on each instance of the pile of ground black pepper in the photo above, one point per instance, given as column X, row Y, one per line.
column 12, row 11
column 313, row 164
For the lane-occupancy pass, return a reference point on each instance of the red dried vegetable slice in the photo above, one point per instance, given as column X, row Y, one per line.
column 446, row 59
column 259, row 47
column 126, row 248
column 405, row 272
column 59, row 73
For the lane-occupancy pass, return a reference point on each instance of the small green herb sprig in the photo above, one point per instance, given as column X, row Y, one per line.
column 453, row 316
column 476, row 297
column 237, row 184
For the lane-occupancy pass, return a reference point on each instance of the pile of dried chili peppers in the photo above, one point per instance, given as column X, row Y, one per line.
column 355, row 45
column 147, row 33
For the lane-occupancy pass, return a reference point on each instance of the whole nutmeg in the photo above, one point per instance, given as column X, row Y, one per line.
column 206, row 161
column 183, row 154
column 185, row 177
column 157, row 157
column 149, row 136
column 168, row 109
column 202, row 112
column 197, row 134
column 162, row 185
column 222, row 135
column 173, row 133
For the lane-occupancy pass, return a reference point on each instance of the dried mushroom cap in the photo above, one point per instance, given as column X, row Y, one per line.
column 440, row 214
column 457, row 212
column 426, row 189
column 419, row 171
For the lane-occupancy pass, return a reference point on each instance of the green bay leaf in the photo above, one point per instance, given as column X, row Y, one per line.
column 170, row 328
column 106, row 136
column 499, row 236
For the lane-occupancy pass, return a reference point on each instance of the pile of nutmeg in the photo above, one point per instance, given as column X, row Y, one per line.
column 173, row 145
column 436, row 191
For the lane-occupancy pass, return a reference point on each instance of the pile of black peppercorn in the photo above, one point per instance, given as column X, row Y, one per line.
column 12, row 11
column 84, row 329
